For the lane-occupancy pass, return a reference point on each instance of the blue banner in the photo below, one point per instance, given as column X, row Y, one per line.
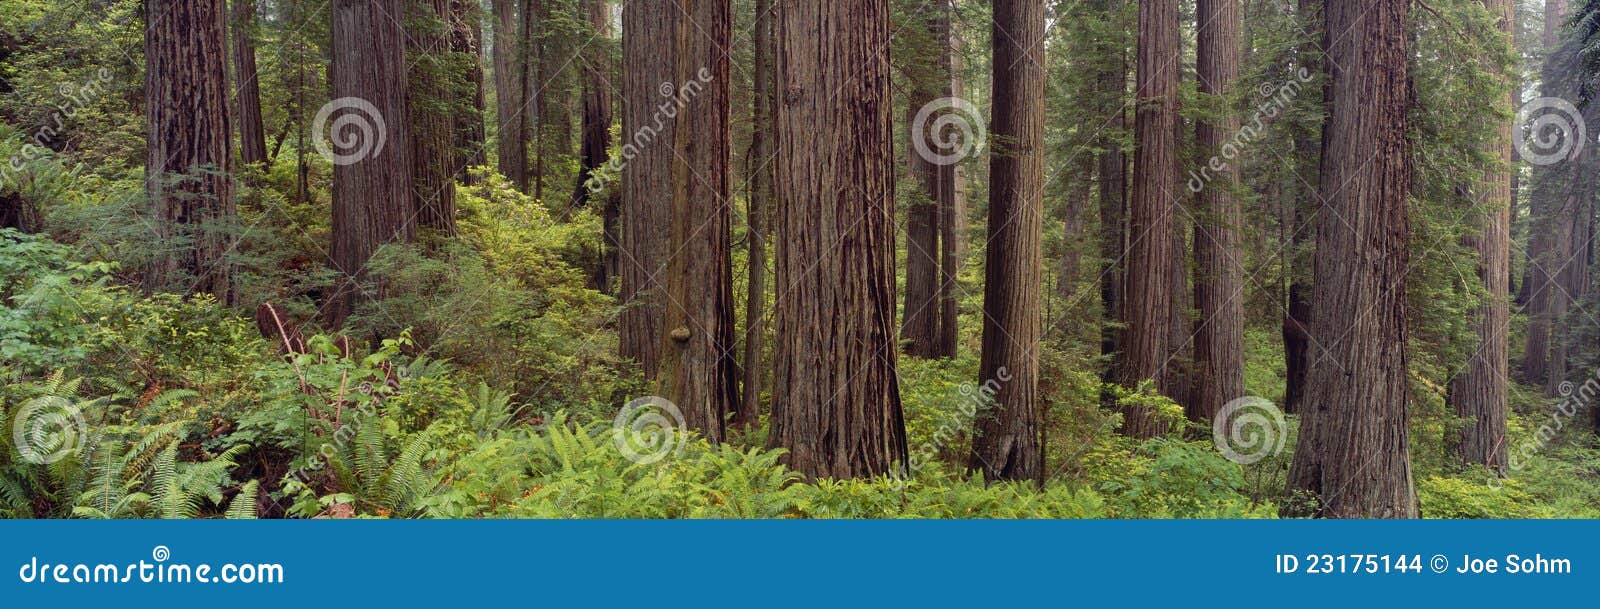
column 793, row 563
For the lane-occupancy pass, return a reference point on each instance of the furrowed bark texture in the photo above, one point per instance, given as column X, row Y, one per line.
column 188, row 142
column 1219, row 278
column 432, row 126
column 649, row 62
column 1010, row 445
column 1146, row 307
column 511, row 137
column 1353, row 452
column 836, row 400
column 252, row 137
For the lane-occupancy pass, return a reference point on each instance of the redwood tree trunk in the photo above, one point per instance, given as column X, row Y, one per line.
column 919, row 330
column 188, row 142
column 469, row 139
column 1146, row 308
column 648, row 50
column 759, row 165
column 1478, row 393
column 372, row 202
column 836, row 399
column 512, row 143
column 252, row 137
column 1353, row 446
column 948, row 194
column 1219, row 277
column 1010, row 444
column 597, row 132
column 698, row 369
column 432, row 126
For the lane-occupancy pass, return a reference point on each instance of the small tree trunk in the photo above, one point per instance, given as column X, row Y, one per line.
column 759, row 164
column 949, row 195
column 511, row 137
column 432, row 127
column 597, row 133
column 469, row 130
column 252, row 137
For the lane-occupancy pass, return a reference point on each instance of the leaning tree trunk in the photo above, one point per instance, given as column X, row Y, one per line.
column 469, row 131
column 372, row 202
column 1219, row 276
column 597, row 133
column 188, row 162
column 252, row 137
column 511, row 135
column 432, row 125
column 698, row 369
column 1353, row 446
column 1478, row 393
column 1146, row 308
column 648, row 50
column 1010, row 444
column 836, row 399
column 758, row 162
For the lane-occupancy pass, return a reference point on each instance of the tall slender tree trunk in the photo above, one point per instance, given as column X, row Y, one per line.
column 554, row 52
column 1297, row 314
column 759, row 164
column 1353, row 452
column 597, row 132
column 1146, row 308
column 188, row 142
column 1549, row 231
column 949, row 194
column 1219, row 278
column 432, row 126
column 1111, row 168
column 919, row 330
column 469, row 129
column 1010, row 444
column 252, row 137
column 1478, row 394
column 372, row 202
column 836, row 398
column 511, row 135
column 649, row 28
column 698, row 367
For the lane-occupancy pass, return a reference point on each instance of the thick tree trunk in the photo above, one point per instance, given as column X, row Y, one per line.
column 649, row 52
column 1478, row 394
column 759, row 165
column 372, row 202
column 1010, row 444
column 1219, row 276
column 189, row 137
column 1146, row 308
column 469, row 130
column 949, row 193
column 432, row 126
column 511, row 135
column 698, row 369
column 1353, row 452
column 597, row 133
column 252, row 137
column 554, row 52
column 836, row 398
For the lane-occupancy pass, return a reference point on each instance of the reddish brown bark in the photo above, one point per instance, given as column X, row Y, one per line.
column 1219, row 278
column 1146, row 308
column 188, row 145
column 698, row 369
column 1353, row 452
column 648, row 49
column 758, row 163
column 836, row 399
column 469, row 139
column 252, row 137
column 432, row 126
column 372, row 201
column 510, row 133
